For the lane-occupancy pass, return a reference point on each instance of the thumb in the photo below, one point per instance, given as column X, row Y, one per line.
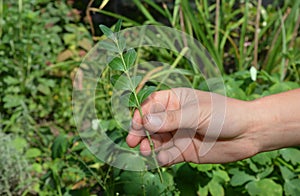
column 167, row 121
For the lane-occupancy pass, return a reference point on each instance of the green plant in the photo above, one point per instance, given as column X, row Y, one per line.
column 42, row 44
column 124, row 62
column 13, row 166
column 235, row 33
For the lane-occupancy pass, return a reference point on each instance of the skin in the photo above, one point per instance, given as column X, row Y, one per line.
column 179, row 120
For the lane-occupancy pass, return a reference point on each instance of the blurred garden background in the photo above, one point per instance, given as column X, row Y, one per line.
column 255, row 44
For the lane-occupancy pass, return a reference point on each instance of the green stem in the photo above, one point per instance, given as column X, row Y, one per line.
column 1, row 16
column 141, row 114
column 284, row 48
column 243, row 37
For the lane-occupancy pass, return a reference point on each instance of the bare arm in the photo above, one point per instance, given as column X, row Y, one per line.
column 277, row 120
column 250, row 127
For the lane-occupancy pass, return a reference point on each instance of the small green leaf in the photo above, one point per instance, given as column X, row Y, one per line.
column 116, row 64
column 286, row 173
column 135, row 81
column 11, row 101
column 239, row 177
column 60, row 146
column 265, row 158
column 129, row 100
column 292, row 187
column 121, row 44
column 33, row 152
column 124, row 83
column 118, row 25
column 19, row 143
column 44, row 89
column 11, row 80
column 107, row 31
column 215, row 188
column 108, row 45
column 290, row 154
column 221, row 176
column 202, row 190
column 266, row 172
column 130, row 57
column 114, row 79
column 144, row 93
column 264, row 187
column 202, row 167
column 37, row 168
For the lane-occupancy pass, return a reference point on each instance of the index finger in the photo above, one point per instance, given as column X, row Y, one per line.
column 157, row 102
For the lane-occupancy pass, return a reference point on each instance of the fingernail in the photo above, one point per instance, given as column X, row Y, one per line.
column 154, row 120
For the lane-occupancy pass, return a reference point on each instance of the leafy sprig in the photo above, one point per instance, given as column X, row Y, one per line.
column 123, row 63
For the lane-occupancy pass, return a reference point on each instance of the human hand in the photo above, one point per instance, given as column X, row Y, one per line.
column 182, row 121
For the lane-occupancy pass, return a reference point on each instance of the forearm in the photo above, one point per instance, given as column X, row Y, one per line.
column 277, row 120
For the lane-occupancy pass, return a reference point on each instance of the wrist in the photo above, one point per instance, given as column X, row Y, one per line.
column 272, row 129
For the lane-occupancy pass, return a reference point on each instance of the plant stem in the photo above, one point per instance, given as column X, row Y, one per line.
column 141, row 114
column 1, row 16
column 284, row 48
column 242, row 37
column 217, row 24
column 255, row 61
column 20, row 17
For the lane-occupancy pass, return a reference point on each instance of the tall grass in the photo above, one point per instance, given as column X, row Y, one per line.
column 237, row 34
column 1, row 17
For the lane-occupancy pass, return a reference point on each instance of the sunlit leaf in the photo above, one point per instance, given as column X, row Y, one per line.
column 291, row 154
column 215, row 188
column 265, row 158
column 33, row 152
column 264, row 187
column 239, row 177
column 253, row 73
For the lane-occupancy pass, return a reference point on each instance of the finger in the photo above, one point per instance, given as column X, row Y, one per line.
column 175, row 154
column 159, row 141
column 134, row 137
column 157, row 102
column 167, row 98
column 137, row 122
column 170, row 156
column 184, row 118
column 150, row 107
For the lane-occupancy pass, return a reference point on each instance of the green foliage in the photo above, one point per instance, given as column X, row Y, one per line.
column 123, row 63
column 13, row 165
column 42, row 44
column 59, row 146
